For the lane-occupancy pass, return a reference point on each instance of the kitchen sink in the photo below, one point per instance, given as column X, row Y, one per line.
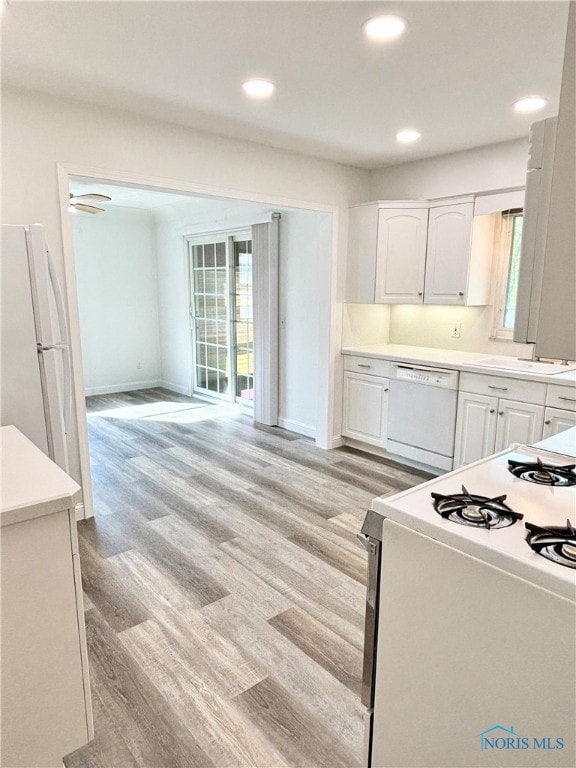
column 522, row 366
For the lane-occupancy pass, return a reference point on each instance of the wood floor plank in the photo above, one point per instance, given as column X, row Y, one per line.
column 115, row 599
column 352, row 564
column 295, row 730
column 328, row 649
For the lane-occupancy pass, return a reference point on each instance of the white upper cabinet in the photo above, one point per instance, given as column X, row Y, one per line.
column 401, row 256
column 459, row 255
column 414, row 252
column 449, row 242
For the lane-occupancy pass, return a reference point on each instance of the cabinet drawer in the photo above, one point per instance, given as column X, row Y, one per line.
column 498, row 386
column 369, row 365
column 561, row 397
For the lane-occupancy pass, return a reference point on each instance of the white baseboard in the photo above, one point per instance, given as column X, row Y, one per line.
column 178, row 388
column 297, row 426
column 126, row 387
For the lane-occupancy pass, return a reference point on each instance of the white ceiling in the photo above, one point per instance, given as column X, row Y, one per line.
column 454, row 75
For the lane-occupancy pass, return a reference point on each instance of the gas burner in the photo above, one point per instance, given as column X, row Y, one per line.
column 554, row 543
column 476, row 511
column 543, row 474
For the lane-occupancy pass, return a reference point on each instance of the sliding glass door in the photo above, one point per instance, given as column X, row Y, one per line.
column 221, row 312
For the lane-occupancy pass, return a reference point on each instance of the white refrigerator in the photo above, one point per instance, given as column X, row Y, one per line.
column 36, row 372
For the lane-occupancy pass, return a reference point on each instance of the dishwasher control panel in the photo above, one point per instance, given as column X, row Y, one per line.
column 428, row 376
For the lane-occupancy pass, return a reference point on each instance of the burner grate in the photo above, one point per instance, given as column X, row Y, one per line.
column 475, row 511
column 543, row 474
column 556, row 543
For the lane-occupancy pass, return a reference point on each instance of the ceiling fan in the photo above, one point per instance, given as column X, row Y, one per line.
column 82, row 202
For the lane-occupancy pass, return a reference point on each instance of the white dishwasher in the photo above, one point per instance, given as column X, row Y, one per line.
column 422, row 414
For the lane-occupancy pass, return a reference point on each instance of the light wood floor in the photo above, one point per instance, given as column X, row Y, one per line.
column 225, row 588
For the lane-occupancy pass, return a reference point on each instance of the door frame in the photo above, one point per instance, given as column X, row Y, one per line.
column 327, row 384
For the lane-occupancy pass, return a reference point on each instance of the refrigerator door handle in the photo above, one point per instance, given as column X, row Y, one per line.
column 67, row 388
column 60, row 310
column 63, row 326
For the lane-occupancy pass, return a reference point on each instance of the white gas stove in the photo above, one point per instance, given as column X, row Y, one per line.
column 473, row 522
column 471, row 633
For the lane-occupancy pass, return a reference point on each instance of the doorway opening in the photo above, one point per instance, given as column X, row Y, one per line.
column 222, row 316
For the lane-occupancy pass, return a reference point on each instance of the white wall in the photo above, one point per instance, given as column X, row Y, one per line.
column 39, row 131
column 499, row 166
column 305, row 245
column 118, row 299
column 305, row 238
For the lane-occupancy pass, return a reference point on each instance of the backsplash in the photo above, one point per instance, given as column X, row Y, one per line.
column 430, row 326
column 425, row 326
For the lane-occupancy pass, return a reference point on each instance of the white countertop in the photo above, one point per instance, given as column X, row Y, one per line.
column 31, row 484
column 455, row 360
column 563, row 442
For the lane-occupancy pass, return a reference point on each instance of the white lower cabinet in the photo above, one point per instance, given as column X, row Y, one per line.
column 557, row 420
column 488, row 424
column 518, row 423
column 365, row 408
column 46, row 706
column 475, row 428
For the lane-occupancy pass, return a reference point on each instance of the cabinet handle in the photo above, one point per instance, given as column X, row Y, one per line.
column 502, row 389
column 460, row 293
column 386, row 390
column 492, row 410
column 419, row 293
column 500, row 413
column 364, row 365
column 548, row 421
column 571, row 399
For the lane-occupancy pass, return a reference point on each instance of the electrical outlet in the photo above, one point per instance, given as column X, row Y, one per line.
column 455, row 330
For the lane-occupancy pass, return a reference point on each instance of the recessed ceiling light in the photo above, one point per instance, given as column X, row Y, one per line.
column 258, row 89
column 530, row 104
column 383, row 28
column 408, row 136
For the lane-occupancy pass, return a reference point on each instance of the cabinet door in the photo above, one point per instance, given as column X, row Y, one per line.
column 401, row 256
column 448, row 256
column 365, row 408
column 518, row 423
column 475, row 428
column 556, row 420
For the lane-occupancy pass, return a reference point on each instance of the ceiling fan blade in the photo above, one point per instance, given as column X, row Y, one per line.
column 86, row 208
column 89, row 198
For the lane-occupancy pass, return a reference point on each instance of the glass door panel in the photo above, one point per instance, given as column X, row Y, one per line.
column 211, row 322
column 244, row 321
